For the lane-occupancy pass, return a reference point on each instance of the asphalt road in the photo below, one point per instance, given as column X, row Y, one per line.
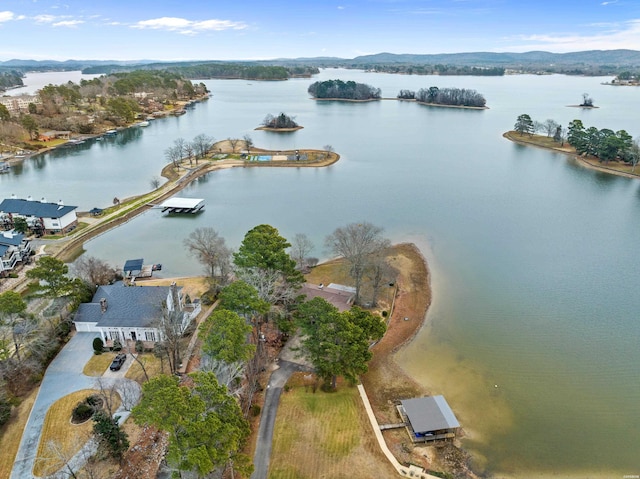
column 277, row 381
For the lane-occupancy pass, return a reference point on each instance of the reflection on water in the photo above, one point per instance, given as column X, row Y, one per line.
column 534, row 259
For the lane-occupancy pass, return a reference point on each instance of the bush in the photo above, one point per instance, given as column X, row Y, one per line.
column 255, row 410
column 82, row 412
column 208, row 298
column 98, row 345
column 139, row 346
column 385, row 313
column 5, row 410
column 117, row 345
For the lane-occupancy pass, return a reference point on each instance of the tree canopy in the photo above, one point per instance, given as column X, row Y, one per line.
column 524, row 124
column 348, row 90
column 336, row 343
column 205, row 425
column 225, row 337
column 53, row 273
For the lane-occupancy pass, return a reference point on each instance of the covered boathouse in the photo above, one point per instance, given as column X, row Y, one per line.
column 182, row 205
column 428, row 418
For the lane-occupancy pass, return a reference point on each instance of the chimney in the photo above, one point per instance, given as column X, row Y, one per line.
column 60, row 203
column 43, row 200
column 29, row 198
column 103, row 304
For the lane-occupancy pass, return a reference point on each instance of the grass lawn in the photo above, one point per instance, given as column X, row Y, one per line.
column 152, row 365
column 324, row 435
column 57, row 427
column 97, row 365
column 11, row 433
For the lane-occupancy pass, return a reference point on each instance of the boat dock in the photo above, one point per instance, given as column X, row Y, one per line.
column 136, row 269
column 182, row 205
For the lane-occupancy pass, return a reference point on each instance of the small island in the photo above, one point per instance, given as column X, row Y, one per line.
column 587, row 102
column 282, row 123
column 344, row 91
column 445, row 97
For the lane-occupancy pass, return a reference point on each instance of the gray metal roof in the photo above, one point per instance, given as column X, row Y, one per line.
column 127, row 306
column 430, row 413
column 34, row 208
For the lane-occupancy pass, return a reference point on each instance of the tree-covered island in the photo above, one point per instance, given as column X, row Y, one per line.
column 280, row 123
column 341, row 90
column 457, row 97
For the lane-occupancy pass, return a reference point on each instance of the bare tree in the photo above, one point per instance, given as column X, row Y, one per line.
column 378, row 272
column 201, row 145
column 94, row 271
column 356, row 242
column 329, row 149
column 188, row 149
column 171, row 328
column 172, row 154
column 234, row 142
column 209, row 248
column 129, row 392
column 248, row 143
column 155, row 182
column 108, row 392
column 226, row 373
column 301, row 246
column 550, row 126
column 180, row 144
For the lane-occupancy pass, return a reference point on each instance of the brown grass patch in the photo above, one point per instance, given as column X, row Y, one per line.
column 58, row 429
column 324, row 435
column 152, row 365
column 194, row 286
column 11, row 433
column 98, row 364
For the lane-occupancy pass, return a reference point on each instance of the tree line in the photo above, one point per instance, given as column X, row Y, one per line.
column 10, row 79
column 339, row 89
column 445, row 96
column 438, row 69
column 605, row 144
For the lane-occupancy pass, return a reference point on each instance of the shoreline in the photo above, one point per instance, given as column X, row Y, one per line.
column 68, row 247
column 279, row 130
column 437, row 105
column 585, row 162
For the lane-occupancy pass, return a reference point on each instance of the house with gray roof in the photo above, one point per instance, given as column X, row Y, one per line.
column 14, row 248
column 120, row 312
column 41, row 216
column 428, row 418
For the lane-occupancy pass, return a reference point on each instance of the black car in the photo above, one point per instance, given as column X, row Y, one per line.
column 118, row 361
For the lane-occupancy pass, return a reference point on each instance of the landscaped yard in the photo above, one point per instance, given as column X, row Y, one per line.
column 320, row 434
column 97, row 365
column 152, row 365
column 58, row 429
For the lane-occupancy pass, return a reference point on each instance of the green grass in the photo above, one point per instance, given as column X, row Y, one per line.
column 315, row 432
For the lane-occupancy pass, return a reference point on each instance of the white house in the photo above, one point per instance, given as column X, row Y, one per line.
column 132, row 312
column 41, row 216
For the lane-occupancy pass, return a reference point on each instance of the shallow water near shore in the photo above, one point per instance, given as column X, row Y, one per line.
column 533, row 331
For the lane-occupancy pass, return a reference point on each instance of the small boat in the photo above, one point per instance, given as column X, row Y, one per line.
column 110, row 132
column 4, row 167
column 143, row 123
column 75, row 142
column 150, row 117
column 179, row 112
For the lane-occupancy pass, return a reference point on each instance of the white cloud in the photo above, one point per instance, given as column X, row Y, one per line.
column 625, row 37
column 6, row 16
column 68, row 23
column 188, row 27
column 45, row 18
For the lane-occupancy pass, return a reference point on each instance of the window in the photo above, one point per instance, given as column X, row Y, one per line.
column 149, row 335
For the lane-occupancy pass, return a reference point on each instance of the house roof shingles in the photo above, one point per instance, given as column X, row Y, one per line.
column 34, row 208
column 430, row 413
column 11, row 240
column 127, row 306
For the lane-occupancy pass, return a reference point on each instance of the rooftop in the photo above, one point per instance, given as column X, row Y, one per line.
column 431, row 413
column 40, row 209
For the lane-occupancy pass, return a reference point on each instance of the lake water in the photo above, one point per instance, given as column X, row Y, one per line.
column 533, row 333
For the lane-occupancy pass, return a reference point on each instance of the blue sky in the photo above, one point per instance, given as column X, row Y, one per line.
column 250, row 29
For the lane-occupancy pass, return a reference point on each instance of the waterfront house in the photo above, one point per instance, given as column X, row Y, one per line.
column 428, row 419
column 124, row 313
column 41, row 216
column 14, row 248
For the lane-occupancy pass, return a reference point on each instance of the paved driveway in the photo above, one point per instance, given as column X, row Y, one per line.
column 62, row 377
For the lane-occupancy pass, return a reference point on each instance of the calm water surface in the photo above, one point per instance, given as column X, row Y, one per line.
column 533, row 334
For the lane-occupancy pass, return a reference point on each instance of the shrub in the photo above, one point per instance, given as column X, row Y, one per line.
column 82, row 412
column 208, row 298
column 139, row 346
column 5, row 410
column 385, row 313
column 255, row 410
column 117, row 345
column 98, row 345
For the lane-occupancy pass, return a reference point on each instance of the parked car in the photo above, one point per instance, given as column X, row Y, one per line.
column 118, row 361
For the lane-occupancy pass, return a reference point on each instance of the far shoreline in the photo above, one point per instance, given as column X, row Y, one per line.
column 413, row 100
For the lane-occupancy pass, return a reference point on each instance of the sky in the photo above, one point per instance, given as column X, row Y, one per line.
column 255, row 30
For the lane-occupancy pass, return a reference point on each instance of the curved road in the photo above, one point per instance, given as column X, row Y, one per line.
column 277, row 381
column 63, row 376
